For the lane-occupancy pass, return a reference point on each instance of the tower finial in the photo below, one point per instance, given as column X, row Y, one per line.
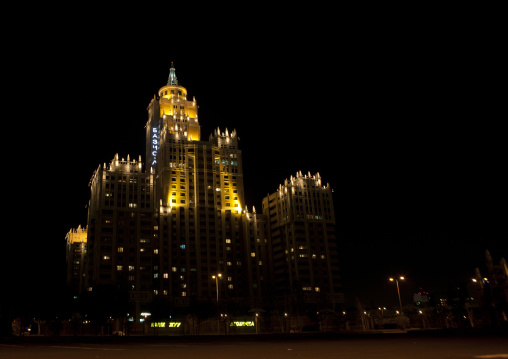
column 172, row 80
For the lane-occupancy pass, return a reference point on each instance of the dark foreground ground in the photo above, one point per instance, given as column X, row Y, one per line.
column 433, row 346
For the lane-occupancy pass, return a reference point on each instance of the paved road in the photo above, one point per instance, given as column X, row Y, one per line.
column 399, row 347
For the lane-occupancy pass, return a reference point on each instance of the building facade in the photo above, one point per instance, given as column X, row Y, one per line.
column 176, row 231
column 301, row 227
column 199, row 186
column 75, row 255
column 491, row 289
column 122, row 231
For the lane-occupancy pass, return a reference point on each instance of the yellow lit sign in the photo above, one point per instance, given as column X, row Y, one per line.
column 242, row 324
column 163, row 325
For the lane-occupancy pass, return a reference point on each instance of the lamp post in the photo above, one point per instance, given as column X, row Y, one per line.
column 398, row 290
column 216, row 277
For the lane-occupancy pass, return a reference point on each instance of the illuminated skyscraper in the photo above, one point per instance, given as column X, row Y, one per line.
column 166, row 233
column 302, row 232
column 199, row 187
column 121, row 230
column 75, row 257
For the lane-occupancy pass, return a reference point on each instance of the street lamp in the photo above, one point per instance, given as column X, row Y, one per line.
column 398, row 290
column 216, row 277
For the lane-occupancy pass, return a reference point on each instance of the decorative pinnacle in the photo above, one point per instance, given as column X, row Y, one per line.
column 172, row 80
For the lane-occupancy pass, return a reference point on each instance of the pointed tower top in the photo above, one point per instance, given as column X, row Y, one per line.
column 172, row 80
column 490, row 262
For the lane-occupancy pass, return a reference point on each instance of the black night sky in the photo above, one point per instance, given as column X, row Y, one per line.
column 399, row 116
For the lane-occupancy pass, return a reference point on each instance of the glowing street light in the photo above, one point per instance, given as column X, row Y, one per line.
column 398, row 290
column 216, row 277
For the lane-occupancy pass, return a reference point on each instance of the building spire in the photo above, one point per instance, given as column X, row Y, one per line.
column 172, row 80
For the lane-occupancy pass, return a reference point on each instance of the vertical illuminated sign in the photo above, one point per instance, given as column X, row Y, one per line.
column 155, row 144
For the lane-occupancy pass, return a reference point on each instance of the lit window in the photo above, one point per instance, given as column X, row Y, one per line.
column 106, row 258
column 131, row 268
column 252, row 254
column 120, row 249
column 165, row 275
column 119, row 267
column 184, row 294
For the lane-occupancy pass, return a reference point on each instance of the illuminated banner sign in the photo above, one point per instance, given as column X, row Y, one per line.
column 242, row 324
column 163, row 325
column 155, row 144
